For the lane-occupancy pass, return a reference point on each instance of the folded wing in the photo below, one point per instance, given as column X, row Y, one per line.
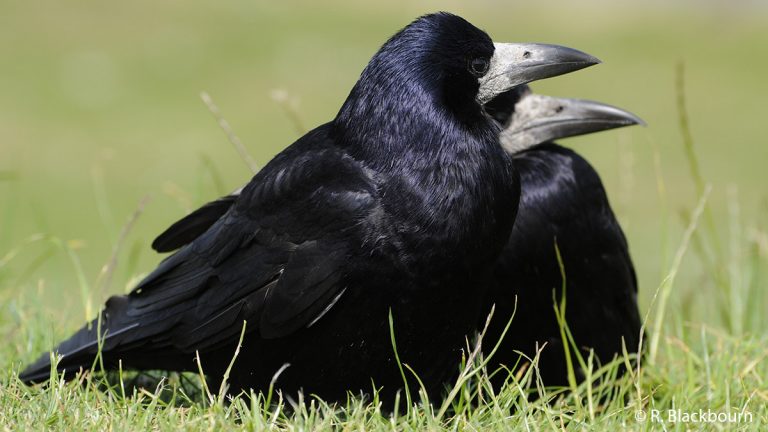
column 276, row 258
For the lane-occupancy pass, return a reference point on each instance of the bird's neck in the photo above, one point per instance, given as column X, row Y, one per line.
column 444, row 178
column 441, row 170
column 397, row 127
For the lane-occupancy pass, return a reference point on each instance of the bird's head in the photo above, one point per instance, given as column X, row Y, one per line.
column 529, row 119
column 440, row 67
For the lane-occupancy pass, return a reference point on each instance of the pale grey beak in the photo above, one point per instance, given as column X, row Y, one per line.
column 537, row 119
column 514, row 64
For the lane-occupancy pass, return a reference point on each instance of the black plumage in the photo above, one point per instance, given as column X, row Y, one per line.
column 562, row 202
column 399, row 205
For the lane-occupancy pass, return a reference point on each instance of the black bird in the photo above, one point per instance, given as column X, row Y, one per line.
column 397, row 206
column 562, row 201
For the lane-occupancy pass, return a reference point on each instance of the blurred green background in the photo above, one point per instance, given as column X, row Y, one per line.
column 100, row 106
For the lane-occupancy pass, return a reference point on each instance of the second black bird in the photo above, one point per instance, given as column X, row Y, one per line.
column 563, row 203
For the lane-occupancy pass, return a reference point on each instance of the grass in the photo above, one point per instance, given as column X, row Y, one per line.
column 689, row 369
column 106, row 116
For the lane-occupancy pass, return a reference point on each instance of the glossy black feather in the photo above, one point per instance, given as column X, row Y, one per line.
column 563, row 201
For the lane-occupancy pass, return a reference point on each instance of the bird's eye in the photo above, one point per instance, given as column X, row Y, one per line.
column 478, row 66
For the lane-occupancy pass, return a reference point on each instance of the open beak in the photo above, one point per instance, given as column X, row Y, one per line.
column 514, row 64
column 538, row 118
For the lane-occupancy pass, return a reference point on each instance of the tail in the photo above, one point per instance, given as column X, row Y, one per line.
column 143, row 329
column 80, row 351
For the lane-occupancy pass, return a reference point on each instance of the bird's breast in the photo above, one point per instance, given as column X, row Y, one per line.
column 453, row 215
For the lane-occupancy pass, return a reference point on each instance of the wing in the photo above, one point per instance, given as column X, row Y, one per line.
column 277, row 258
